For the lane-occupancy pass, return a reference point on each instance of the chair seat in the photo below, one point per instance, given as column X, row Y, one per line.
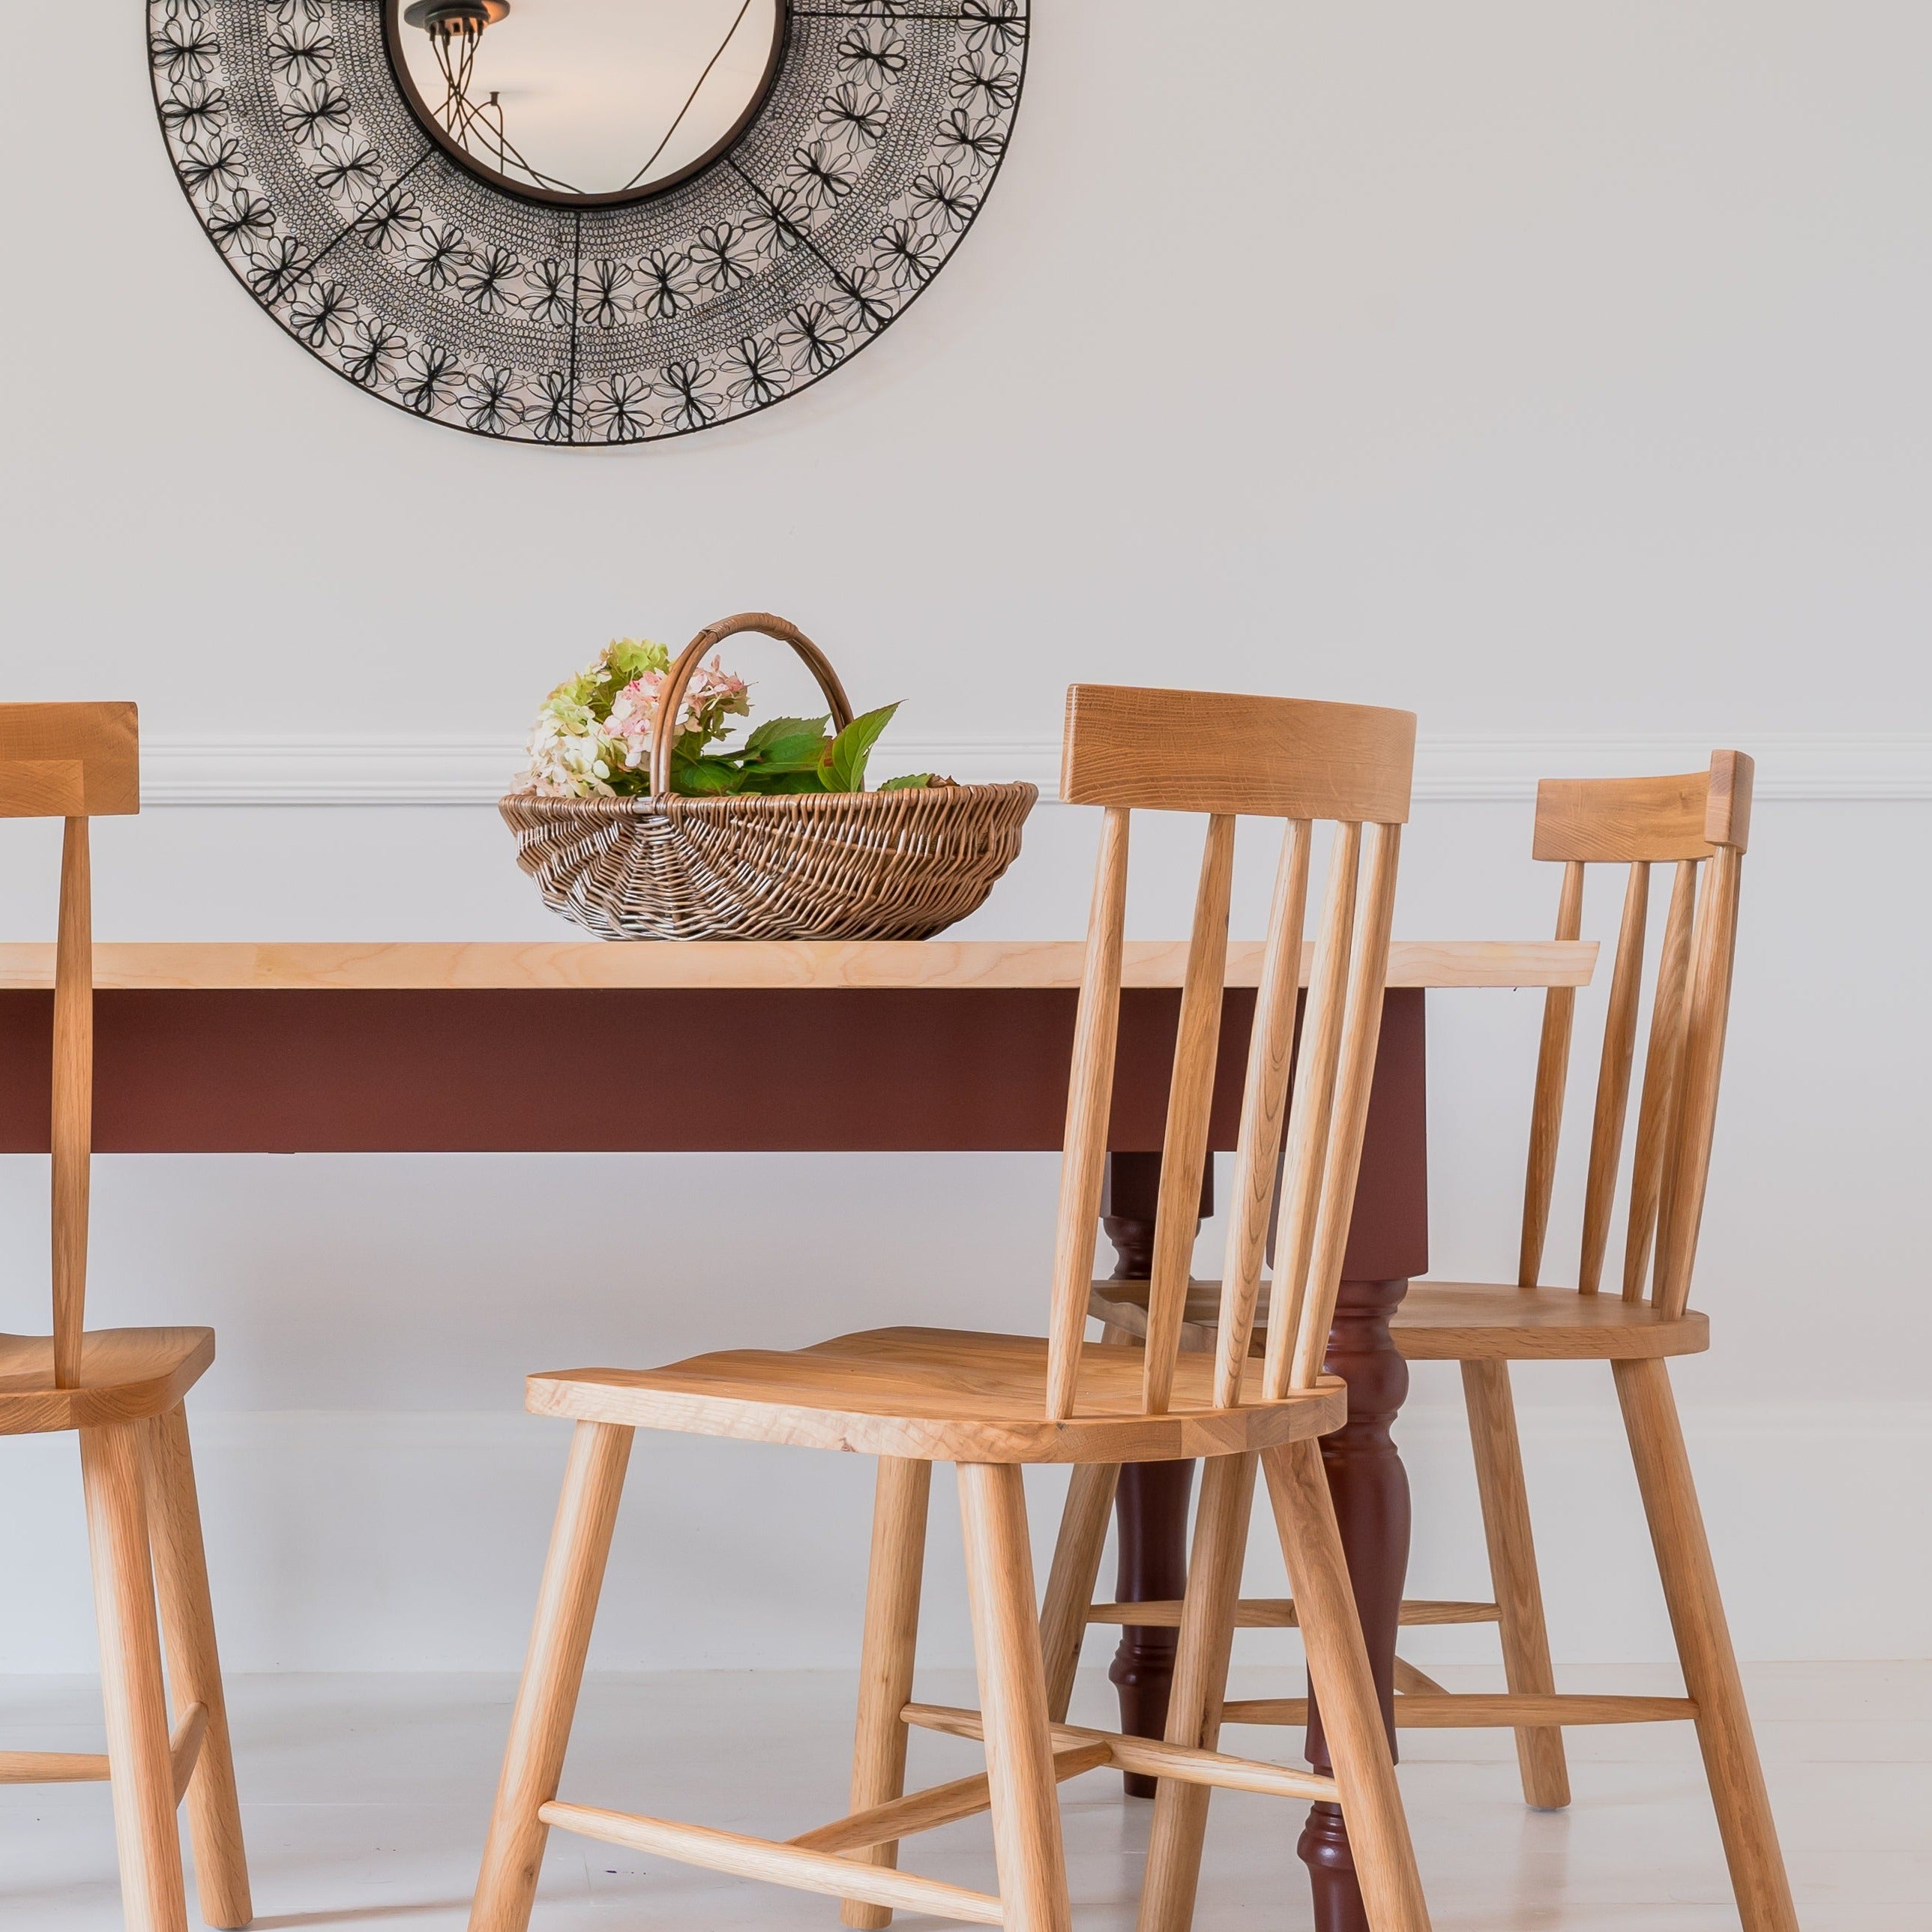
column 1474, row 1321
column 937, row 1395
column 1461, row 1322
column 127, row 1375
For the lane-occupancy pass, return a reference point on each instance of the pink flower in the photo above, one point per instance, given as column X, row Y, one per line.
column 712, row 695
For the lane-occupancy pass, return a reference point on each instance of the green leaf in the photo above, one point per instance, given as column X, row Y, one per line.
column 772, row 738
column 705, row 777
column 842, row 765
column 770, row 784
column 912, row 782
column 800, row 754
column 787, row 744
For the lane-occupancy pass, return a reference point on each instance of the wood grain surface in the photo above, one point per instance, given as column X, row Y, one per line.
column 432, row 965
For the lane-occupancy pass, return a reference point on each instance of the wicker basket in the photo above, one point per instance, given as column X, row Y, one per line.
column 890, row 865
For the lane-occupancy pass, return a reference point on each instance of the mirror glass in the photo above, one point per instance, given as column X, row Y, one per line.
column 587, row 101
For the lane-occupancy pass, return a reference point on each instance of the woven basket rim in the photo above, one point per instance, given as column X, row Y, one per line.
column 924, row 798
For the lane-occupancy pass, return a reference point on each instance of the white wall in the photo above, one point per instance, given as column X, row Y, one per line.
column 1559, row 374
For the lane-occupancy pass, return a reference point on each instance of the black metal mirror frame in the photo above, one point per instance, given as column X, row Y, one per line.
column 490, row 309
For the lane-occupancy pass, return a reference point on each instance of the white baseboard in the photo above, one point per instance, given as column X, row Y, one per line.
column 457, row 771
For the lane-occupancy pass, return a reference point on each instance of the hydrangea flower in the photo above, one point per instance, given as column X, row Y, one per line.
column 592, row 737
column 712, row 696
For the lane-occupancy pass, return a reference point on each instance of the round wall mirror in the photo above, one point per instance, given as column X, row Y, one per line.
column 586, row 101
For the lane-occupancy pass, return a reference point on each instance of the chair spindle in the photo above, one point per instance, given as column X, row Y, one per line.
column 1089, row 1102
column 1308, row 1112
column 1552, row 1075
column 1712, row 952
column 1656, row 1111
column 73, row 1100
column 1264, row 1110
column 1190, row 1098
column 1613, row 1079
column 1368, row 972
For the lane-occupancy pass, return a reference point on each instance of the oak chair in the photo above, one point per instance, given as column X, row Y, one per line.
column 1699, row 826
column 122, row 1390
column 993, row 1404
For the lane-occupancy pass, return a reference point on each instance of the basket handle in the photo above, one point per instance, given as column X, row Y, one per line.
column 670, row 696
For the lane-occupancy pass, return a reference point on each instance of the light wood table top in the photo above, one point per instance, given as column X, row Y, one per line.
column 777, row 965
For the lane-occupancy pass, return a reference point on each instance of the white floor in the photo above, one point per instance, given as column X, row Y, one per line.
column 365, row 1799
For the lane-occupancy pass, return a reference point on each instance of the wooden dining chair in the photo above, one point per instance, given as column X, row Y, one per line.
column 121, row 1390
column 1697, row 825
column 993, row 1404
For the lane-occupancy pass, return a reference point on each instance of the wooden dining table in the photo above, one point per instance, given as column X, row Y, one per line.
column 941, row 1046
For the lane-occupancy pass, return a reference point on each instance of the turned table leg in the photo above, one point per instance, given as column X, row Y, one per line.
column 1151, row 1505
column 1371, row 1491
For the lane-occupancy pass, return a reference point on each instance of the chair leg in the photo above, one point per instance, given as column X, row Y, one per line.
column 194, row 1670
column 1338, row 1668
column 1027, row 1843
column 886, row 1658
column 1704, row 1647
column 141, row 1770
column 1200, row 1683
column 553, row 1675
column 1513, row 1575
column 1070, row 1582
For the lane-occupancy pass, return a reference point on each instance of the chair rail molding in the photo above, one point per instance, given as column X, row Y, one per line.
column 1848, row 766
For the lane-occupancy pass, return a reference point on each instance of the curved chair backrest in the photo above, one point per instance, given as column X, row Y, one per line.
column 1226, row 756
column 74, row 762
column 1699, row 824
